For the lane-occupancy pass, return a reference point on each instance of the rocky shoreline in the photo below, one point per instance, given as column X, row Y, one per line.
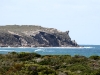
column 34, row 36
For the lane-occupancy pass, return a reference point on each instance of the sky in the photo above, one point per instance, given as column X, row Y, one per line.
column 80, row 17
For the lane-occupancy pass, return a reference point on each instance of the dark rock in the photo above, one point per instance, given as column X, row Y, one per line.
column 34, row 36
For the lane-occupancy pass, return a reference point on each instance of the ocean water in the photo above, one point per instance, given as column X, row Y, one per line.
column 87, row 50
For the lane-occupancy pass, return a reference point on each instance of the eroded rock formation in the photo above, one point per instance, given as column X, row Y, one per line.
column 34, row 36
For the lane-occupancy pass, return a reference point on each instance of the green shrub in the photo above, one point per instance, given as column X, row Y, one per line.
column 95, row 57
column 23, row 56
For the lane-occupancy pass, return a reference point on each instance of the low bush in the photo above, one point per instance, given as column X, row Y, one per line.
column 25, row 64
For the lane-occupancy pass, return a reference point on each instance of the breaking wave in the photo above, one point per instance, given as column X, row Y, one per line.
column 67, row 47
column 39, row 50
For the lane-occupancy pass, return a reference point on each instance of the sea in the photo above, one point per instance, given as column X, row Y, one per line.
column 86, row 50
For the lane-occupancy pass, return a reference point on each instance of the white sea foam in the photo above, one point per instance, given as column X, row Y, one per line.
column 38, row 50
column 68, row 47
column 15, row 47
column 52, row 47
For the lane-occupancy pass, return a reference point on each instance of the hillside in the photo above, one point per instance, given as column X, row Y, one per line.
column 34, row 36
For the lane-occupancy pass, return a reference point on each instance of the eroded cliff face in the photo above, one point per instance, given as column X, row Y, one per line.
column 34, row 36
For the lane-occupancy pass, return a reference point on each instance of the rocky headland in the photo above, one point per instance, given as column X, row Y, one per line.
column 34, row 36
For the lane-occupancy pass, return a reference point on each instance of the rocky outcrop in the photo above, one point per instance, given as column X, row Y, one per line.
column 34, row 36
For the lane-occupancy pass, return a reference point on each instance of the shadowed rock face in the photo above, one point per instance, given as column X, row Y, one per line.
column 34, row 36
column 47, row 39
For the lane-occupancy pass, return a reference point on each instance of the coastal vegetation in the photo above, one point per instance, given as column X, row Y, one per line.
column 35, row 64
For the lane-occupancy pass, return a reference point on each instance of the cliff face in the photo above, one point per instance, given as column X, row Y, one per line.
column 34, row 36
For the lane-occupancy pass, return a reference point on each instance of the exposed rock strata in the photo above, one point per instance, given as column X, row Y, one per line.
column 34, row 36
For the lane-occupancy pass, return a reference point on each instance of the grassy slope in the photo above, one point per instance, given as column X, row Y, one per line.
column 19, row 29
